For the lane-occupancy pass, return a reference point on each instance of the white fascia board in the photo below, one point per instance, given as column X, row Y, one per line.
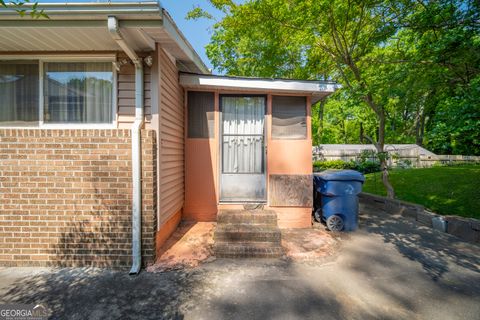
column 172, row 29
column 90, row 10
column 195, row 81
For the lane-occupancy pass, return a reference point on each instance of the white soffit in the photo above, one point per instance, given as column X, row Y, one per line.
column 199, row 81
column 82, row 27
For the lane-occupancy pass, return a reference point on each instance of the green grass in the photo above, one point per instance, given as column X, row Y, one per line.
column 444, row 190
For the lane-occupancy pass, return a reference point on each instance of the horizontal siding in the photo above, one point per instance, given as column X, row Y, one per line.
column 126, row 94
column 172, row 167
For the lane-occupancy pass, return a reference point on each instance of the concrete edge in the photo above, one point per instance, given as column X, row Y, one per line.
column 467, row 229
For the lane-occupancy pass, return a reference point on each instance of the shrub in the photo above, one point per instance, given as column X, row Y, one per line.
column 366, row 166
column 333, row 164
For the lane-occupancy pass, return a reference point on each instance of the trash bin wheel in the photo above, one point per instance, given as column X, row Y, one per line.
column 335, row 223
column 318, row 215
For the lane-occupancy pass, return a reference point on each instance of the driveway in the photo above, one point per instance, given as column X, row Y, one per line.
column 386, row 270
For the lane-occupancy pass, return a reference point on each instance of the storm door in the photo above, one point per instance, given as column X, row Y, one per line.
column 242, row 148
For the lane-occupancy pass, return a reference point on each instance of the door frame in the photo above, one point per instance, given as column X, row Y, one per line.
column 220, row 146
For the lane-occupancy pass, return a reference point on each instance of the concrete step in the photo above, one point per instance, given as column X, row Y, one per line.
column 247, row 232
column 248, row 217
column 247, row 250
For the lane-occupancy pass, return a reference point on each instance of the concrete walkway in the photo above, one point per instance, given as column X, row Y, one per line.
column 386, row 270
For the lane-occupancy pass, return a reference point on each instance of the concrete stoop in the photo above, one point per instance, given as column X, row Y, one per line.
column 247, row 234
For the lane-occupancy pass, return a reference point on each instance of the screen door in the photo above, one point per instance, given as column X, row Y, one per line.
column 242, row 176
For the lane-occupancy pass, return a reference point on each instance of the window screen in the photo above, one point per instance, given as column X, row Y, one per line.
column 289, row 117
column 201, row 107
column 19, row 93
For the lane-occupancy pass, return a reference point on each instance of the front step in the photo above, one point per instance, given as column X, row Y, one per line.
column 249, row 217
column 247, row 234
column 247, row 250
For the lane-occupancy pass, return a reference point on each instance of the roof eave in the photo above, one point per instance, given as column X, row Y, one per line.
column 318, row 89
column 144, row 15
column 87, row 10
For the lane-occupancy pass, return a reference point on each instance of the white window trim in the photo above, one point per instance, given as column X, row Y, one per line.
column 67, row 58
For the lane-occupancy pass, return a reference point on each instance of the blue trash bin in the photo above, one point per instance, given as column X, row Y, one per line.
column 338, row 192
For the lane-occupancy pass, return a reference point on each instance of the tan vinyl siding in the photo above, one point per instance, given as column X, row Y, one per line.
column 172, row 139
column 126, row 94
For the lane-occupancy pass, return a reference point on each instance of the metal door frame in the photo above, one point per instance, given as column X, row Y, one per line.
column 220, row 168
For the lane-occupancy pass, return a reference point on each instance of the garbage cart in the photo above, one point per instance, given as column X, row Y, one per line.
column 336, row 198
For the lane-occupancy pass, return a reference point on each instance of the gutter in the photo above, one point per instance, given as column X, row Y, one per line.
column 114, row 30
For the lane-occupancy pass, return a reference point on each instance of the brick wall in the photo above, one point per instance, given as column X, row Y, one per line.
column 65, row 197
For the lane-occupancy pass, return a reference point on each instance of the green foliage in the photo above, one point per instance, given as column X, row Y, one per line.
column 444, row 190
column 416, row 62
column 19, row 7
column 368, row 166
column 333, row 164
column 455, row 127
column 197, row 13
column 363, row 166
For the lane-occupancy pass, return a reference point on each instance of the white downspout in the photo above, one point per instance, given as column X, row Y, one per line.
column 114, row 30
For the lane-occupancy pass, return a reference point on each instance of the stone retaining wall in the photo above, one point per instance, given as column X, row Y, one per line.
column 465, row 228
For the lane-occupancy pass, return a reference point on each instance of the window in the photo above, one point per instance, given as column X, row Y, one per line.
column 71, row 93
column 289, row 117
column 19, row 93
column 77, row 92
column 201, row 114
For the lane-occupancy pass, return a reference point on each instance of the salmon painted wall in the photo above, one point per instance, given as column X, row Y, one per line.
column 289, row 157
column 284, row 157
column 201, row 172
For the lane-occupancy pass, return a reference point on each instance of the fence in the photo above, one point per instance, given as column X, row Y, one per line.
column 400, row 154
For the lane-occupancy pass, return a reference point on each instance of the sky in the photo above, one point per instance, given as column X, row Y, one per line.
column 197, row 32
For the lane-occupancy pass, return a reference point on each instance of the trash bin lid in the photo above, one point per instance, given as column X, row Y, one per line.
column 340, row 175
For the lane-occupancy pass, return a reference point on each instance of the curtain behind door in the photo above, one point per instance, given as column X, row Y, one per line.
column 243, row 130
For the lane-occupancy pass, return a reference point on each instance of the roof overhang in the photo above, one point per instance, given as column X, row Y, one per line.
column 82, row 27
column 316, row 89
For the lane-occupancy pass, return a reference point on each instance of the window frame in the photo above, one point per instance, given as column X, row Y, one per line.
column 42, row 59
column 188, row 114
column 306, row 137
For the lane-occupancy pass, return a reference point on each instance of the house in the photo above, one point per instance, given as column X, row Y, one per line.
column 112, row 131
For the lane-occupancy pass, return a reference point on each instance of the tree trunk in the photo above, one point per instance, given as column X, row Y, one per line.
column 362, row 138
column 420, row 126
column 383, row 156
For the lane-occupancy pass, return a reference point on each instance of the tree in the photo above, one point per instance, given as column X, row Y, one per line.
column 308, row 39
column 18, row 5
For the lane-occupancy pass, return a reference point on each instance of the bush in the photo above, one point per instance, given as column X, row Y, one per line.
column 368, row 166
column 332, row 164
column 365, row 166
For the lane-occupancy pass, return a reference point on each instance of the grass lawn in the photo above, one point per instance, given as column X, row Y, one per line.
column 444, row 190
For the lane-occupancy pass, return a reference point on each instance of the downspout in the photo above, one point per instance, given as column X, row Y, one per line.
column 114, row 30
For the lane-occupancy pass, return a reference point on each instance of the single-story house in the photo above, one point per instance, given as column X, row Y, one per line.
column 112, row 130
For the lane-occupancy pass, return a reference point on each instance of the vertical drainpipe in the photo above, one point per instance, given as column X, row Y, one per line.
column 114, row 30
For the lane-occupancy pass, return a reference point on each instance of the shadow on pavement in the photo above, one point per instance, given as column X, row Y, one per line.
column 82, row 293
column 432, row 249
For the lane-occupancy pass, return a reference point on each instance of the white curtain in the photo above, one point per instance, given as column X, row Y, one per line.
column 18, row 92
column 78, row 92
column 243, row 123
